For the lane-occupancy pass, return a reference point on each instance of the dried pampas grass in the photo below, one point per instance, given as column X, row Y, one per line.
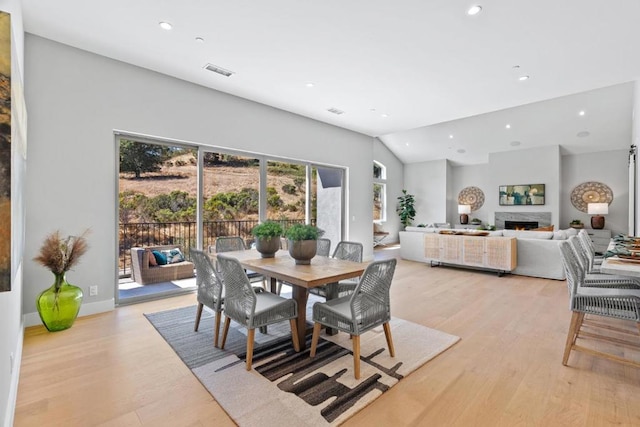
column 60, row 254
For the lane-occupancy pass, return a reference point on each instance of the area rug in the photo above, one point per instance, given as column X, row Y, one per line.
column 289, row 388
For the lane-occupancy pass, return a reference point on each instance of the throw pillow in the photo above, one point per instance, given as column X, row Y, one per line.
column 173, row 255
column 560, row 235
column 152, row 258
column 161, row 258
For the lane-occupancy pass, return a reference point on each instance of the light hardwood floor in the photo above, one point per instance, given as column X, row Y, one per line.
column 114, row 369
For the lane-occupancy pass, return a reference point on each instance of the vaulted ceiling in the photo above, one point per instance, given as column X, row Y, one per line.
column 425, row 77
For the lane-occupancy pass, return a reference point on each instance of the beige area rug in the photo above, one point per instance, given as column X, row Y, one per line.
column 289, row 388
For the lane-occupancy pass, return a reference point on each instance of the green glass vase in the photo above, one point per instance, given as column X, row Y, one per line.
column 59, row 305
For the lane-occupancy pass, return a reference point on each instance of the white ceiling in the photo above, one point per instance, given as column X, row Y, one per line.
column 434, row 70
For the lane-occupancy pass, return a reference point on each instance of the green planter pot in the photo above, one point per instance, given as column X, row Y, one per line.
column 303, row 250
column 59, row 305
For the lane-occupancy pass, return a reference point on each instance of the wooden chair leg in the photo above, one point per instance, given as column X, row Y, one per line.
column 250, row 338
column 571, row 336
column 356, row 356
column 387, row 334
column 198, row 314
column 227, row 321
column 314, row 339
column 294, row 335
column 216, row 332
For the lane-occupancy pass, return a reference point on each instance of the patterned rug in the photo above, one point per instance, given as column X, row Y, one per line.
column 289, row 388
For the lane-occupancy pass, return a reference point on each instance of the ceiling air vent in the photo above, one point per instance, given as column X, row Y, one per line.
column 218, row 70
column 335, row 111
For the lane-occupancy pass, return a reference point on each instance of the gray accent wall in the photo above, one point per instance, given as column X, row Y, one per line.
column 74, row 109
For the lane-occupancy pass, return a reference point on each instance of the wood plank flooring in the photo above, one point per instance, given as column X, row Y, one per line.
column 113, row 369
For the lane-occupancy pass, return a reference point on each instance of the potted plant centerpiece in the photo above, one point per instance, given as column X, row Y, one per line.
column 302, row 242
column 267, row 236
column 59, row 305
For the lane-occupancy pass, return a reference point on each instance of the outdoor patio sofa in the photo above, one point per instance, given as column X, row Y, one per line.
column 144, row 273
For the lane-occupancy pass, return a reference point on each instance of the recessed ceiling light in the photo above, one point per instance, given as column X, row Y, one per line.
column 474, row 10
column 508, row 126
column 523, row 78
column 165, row 25
column 450, row 136
column 199, row 39
column 461, row 150
column 372, row 110
column 583, row 134
column 309, row 84
column 581, row 113
column 406, row 143
column 514, row 143
column 384, row 115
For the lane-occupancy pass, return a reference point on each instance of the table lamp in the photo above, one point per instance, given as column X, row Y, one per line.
column 464, row 210
column 597, row 209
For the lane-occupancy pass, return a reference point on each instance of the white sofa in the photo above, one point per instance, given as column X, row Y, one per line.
column 538, row 251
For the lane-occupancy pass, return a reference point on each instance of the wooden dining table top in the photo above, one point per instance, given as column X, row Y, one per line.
column 321, row 271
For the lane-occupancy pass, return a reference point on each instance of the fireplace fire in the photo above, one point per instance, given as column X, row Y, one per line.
column 520, row 225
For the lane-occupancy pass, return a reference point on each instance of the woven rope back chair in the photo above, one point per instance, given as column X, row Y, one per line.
column 235, row 243
column 614, row 303
column 324, row 247
column 350, row 251
column 250, row 309
column 367, row 307
column 587, row 245
column 597, row 279
column 230, row 243
column 210, row 289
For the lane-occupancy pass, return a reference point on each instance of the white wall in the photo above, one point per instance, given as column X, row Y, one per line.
column 395, row 180
column 10, row 302
column 607, row 167
column 471, row 176
column 427, row 181
column 75, row 107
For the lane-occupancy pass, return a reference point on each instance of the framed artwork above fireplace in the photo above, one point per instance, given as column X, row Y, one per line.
column 527, row 194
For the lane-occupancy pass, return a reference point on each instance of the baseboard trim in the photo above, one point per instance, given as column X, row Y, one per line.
column 87, row 309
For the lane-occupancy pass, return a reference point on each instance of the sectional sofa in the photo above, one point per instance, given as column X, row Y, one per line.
column 538, row 252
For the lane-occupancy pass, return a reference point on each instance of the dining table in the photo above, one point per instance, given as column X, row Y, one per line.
column 617, row 265
column 321, row 271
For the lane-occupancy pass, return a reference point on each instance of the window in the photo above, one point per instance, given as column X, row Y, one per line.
column 379, row 192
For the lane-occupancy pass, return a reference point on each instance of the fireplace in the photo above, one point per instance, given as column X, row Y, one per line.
column 520, row 225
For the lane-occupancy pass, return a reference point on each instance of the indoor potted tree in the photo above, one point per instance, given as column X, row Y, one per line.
column 267, row 236
column 406, row 208
column 302, row 242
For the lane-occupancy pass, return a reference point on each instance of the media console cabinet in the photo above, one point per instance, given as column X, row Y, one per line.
column 490, row 253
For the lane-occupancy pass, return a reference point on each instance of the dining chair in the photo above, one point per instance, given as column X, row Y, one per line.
column 590, row 251
column 599, row 279
column 210, row 289
column 236, row 243
column 367, row 307
column 350, row 251
column 617, row 303
column 250, row 309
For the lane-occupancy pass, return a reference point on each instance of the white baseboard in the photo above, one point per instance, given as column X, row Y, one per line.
column 15, row 378
column 87, row 309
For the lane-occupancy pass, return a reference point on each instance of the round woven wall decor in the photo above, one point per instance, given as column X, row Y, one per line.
column 471, row 196
column 590, row 192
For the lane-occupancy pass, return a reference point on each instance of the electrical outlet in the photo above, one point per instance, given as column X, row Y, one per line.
column 93, row 290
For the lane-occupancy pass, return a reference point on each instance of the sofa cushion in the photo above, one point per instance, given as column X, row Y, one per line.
column 526, row 234
column 560, row 235
column 152, row 258
column 495, row 233
column 161, row 259
column 173, row 256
